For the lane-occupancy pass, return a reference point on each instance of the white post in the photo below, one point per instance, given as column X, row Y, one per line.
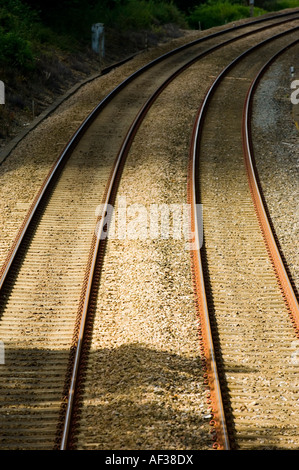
column 98, row 39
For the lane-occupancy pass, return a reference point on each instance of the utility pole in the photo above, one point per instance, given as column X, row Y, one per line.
column 251, row 4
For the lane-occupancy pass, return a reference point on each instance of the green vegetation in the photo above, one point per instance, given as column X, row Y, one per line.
column 275, row 5
column 15, row 23
column 23, row 36
column 75, row 17
column 218, row 12
column 29, row 27
column 143, row 14
column 45, row 44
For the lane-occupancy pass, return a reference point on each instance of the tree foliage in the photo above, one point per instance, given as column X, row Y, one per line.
column 218, row 12
column 16, row 21
column 74, row 15
column 26, row 24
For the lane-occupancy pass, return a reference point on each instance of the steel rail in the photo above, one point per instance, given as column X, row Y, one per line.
column 259, row 203
column 206, row 337
column 109, row 68
column 221, row 438
column 90, row 118
column 100, row 230
column 78, row 134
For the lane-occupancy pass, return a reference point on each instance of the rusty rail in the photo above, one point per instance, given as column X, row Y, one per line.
column 86, row 290
column 206, row 337
column 85, row 124
column 259, row 203
column 205, row 332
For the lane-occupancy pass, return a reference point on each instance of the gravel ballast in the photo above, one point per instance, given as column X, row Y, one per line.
column 148, row 389
column 276, row 150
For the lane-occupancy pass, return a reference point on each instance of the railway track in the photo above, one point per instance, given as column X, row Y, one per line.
column 40, row 326
column 249, row 314
column 84, row 438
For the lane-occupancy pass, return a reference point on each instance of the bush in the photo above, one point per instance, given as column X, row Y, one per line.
column 217, row 12
column 140, row 14
column 282, row 4
column 16, row 21
column 22, row 35
column 275, row 5
column 15, row 51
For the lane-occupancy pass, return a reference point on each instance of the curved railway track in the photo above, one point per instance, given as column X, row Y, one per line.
column 245, row 317
column 49, row 319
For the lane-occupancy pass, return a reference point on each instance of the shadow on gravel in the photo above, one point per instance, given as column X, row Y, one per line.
column 141, row 398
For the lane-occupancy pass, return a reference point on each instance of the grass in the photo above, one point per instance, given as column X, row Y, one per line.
column 275, row 5
column 142, row 14
column 216, row 13
column 23, row 36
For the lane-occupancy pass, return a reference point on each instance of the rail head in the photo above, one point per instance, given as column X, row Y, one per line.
column 73, row 141
column 219, row 421
column 259, row 203
column 89, row 119
column 93, row 255
column 206, row 337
